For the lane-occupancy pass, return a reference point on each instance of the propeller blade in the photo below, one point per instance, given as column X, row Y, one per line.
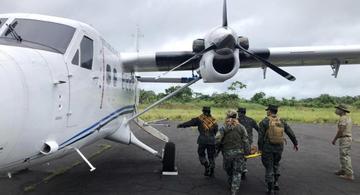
column 225, row 23
column 278, row 70
column 213, row 46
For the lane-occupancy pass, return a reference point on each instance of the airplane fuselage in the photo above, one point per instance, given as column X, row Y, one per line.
column 62, row 88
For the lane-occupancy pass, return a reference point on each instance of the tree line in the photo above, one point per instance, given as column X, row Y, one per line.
column 231, row 99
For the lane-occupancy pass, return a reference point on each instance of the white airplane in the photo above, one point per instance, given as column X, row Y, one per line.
column 64, row 87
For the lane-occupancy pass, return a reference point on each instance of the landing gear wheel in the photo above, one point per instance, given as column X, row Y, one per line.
column 169, row 158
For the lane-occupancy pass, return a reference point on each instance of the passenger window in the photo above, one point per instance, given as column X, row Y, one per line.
column 115, row 77
column 75, row 59
column 108, row 74
column 87, row 52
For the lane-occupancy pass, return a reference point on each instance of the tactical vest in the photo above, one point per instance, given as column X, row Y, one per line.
column 208, row 123
column 275, row 132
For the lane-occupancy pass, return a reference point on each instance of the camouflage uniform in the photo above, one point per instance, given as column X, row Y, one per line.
column 234, row 145
column 271, row 153
column 345, row 145
column 207, row 128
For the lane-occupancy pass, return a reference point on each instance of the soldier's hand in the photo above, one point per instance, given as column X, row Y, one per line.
column 296, row 148
column 333, row 142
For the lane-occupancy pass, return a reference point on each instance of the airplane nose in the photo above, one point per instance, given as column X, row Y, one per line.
column 12, row 105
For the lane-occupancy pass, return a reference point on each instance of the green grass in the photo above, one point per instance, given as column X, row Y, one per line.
column 181, row 112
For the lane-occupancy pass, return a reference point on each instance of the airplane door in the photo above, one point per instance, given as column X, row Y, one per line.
column 60, row 77
column 85, row 82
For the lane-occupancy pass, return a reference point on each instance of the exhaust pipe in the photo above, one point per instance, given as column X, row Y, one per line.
column 49, row 147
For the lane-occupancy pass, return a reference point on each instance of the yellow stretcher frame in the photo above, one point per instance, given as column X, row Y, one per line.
column 256, row 154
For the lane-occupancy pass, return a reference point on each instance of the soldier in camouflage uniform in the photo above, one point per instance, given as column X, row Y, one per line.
column 249, row 125
column 207, row 128
column 344, row 135
column 234, row 143
column 271, row 153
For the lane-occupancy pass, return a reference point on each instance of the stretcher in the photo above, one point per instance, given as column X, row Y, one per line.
column 256, row 154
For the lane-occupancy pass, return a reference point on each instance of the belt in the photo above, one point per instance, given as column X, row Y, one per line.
column 344, row 136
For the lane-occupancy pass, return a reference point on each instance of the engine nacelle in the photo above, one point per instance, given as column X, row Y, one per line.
column 219, row 65
column 198, row 45
column 243, row 42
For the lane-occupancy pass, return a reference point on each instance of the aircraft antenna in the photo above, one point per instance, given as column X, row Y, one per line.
column 137, row 36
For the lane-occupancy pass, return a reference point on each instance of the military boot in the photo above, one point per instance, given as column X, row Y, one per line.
column 243, row 176
column 340, row 172
column 276, row 186
column 211, row 172
column 269, row 187
column 233, row 192
column 207, row 169
column 276, row 183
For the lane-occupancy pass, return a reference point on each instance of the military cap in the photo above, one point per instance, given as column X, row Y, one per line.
column 206, row 109
column 343, row 108
column 272, row 107
column 241, row 109
column 231, row 114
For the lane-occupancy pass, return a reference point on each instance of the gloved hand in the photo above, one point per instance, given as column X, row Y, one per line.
column 333, row 142
column 296, row 148
column 180, row 126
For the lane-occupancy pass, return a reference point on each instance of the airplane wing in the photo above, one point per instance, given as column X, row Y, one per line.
column 305, row 56
column 279, row 56
column 219, row 55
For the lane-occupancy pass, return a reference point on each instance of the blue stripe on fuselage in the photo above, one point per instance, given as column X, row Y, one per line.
column 91, row 129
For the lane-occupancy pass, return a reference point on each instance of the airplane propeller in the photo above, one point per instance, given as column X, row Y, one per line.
column 228, row 43
column 268, row 64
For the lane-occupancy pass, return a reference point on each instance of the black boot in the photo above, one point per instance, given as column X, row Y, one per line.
column 276, row 183
column 269, row 188
column 207, row 170
column 211, row 172
column 276, row 186
column 243, row 175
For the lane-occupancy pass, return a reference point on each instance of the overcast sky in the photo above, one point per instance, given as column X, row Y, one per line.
column 174, row 24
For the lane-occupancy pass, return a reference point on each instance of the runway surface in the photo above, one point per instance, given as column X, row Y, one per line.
column 123, row 169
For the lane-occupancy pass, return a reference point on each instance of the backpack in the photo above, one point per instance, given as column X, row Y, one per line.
column 275, row 132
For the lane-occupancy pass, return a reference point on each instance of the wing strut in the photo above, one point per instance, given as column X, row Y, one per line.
column 163, row 99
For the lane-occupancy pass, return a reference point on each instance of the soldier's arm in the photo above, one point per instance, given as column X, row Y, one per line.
column 190, row 123
column 218, row 140
column 341, row 129
column 219, row 136
column 289, row 132
column 261, row 132
column 216, row 128
column 255, row 126
column 245, row 140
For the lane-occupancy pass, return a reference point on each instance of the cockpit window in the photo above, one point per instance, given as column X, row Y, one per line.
column 2, row 21
column 86, row 52
column 41, row 35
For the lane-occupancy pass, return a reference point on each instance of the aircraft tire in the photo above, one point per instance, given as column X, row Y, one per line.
column 169, row 157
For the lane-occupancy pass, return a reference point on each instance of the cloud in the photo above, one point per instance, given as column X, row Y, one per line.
column 173, row 25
